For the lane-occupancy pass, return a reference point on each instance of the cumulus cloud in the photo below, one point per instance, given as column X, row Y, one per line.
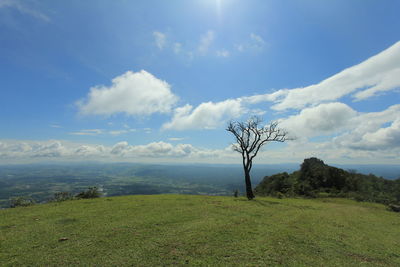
column 373, row 131
column 320, row 120
column 62, row 150
column 207, row 115
column 330, row 152
column 346, row 129
column 377, row 74
column 152, row 150
column 89, row 150
column 134, row 94
column 383, row 138
column 119, row 148
column 160, row 39
column 19, row 149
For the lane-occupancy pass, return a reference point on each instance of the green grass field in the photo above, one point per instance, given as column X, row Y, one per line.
column 162, row 230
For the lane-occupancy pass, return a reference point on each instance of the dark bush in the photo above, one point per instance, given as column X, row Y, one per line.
column 394, row 207
column 21, row 202
column 62, row 196
column 92, row 192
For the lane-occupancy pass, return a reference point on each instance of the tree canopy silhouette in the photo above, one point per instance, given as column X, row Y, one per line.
column 250, row 137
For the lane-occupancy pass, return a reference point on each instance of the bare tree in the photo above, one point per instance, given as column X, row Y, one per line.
column 250, row 137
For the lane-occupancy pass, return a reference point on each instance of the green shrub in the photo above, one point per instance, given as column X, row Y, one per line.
column 21, row 202
column 394, row 207
column 92, row 192
column 236, row 193
column 62, row 196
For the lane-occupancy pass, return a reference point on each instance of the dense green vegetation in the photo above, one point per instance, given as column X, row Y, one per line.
column 162, row 230
column 315, row 179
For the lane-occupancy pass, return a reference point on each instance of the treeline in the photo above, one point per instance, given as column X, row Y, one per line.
column 316, row 179
column 23, row 201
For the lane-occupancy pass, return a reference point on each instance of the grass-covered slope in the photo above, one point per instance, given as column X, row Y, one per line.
column 200, row 230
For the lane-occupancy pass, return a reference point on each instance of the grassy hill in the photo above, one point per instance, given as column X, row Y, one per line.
column 161, row 230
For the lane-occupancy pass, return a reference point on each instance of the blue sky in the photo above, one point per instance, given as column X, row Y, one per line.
column 157, row 81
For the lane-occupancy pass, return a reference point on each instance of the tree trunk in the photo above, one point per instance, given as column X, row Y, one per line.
column 249, row 189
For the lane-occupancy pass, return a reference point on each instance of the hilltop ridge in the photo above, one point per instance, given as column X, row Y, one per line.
column 315, row 179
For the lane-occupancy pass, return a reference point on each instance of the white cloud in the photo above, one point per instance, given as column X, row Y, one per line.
column 222, row 53
column 207, row 115
column 257, row 41
column 88, row 132
column 19, row 151
column 93, row 132
column 376, row 74
column 54, row 149
column 119, row 147
column 147, row 130
column 89, row 150
column 383, row 138
column 118, row 132
column 24, row 9
column 324, row 119
column 254, row 43
column 160, row 39
column 389, row 81
column 329, row 152
column 136, row 94
column 255, row 99
column 205, row 41
column 152, row 150
column 177, row 48
column 240, row 47
column 373, row 131
column 162, row 150
column 352, row 130
column 176, row 138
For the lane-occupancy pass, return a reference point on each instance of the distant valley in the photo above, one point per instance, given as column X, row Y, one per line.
column 41, row 181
